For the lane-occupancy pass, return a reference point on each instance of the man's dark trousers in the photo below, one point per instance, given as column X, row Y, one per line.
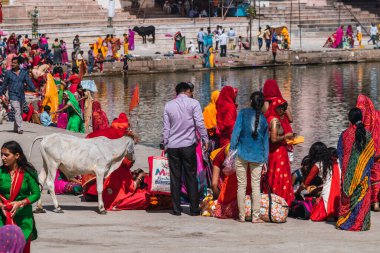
column 183, row 159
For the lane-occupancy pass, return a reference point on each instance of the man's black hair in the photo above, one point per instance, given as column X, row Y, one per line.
column 182, row 87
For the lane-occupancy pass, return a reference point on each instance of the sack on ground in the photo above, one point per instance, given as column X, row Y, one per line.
column 279, row 209
column 160, row 175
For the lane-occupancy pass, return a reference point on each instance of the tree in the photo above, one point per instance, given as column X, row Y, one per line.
column 251, row 14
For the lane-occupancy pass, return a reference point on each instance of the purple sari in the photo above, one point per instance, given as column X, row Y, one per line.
column 131, row 40
column 11, row 239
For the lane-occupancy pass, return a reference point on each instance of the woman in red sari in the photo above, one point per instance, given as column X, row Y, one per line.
column 226, row 114
column 371, row 121
column 122, row 190
column 279, row 175
column 272, row 92
column 99, row 117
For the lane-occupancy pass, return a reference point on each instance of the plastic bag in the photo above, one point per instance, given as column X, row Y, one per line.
column 229, row 163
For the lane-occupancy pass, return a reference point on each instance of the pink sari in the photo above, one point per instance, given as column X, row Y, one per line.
column 62, row 118
column 339, row 37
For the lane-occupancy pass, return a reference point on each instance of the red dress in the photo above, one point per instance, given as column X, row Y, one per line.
column 279, row 172
column 226, row 114
column 118, row 188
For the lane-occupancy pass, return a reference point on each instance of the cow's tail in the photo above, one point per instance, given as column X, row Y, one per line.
column 31, row 147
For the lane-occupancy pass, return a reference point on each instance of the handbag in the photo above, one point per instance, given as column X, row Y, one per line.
column 160, row 174
column 273, row 208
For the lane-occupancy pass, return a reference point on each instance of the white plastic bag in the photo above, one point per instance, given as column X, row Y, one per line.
column 229, row 163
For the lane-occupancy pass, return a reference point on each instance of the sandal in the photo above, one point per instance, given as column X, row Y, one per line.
column 257, row 220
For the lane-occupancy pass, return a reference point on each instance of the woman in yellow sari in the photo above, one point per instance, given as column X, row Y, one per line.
column 209, row 115
column 51, row 96
column 126, row 43
column 285, row 34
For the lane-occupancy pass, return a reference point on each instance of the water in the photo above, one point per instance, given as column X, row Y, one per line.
column 319, row 96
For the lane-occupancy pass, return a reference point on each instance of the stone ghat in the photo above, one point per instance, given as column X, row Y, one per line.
column 180, row 63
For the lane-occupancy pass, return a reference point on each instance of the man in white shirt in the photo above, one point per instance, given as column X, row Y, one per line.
column 373, row 33
column 231, row 39
column 223, row 44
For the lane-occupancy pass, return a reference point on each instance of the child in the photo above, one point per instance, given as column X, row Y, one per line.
column 274, row 50
column 240, row 43
column 99, row 60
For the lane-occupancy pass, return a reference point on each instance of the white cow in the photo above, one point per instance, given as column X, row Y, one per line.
column 75, row 156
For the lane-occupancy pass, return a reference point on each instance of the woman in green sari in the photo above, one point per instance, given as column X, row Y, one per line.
column 75, row 117
column 19, row 189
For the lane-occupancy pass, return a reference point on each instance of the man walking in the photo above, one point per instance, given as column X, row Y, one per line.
column 223, row 44
column 200, row 36
column 14, row 81
column 182, row 120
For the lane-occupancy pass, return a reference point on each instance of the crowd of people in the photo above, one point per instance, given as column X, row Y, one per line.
column 335, row 184
column 346, row 39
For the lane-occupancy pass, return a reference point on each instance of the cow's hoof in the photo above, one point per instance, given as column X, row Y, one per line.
column 103, row 212
column 39, row 210
column 58, row 210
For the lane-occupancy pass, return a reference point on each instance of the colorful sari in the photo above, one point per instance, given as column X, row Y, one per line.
column 63, row 186
column 355, row 204
column 99, row 117
column 65, row 57
column 226, row 114
column 75, row 117
column 371, row 121
column 126, row 45
column 179, row 43
column 62, row 118
column 279, row 174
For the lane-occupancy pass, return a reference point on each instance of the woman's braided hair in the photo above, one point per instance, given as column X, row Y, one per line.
column 257, row 103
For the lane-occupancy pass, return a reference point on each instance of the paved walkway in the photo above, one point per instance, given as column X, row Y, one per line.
column 80, row 229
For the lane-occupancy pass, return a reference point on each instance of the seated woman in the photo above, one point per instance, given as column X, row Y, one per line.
column 323, row 162
column 63, row 185
column 123, row 189
column 224, row 187
column 301, row 175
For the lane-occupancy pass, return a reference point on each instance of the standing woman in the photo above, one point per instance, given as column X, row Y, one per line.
column 356, row 154
column 57, row 52
column 209, row 116
column 126, row 44
column 75, row 117
column 131, row 40
column 226, row 114
column 250, row 139
column 65, row 57
column 371, row 121
column 19, row 189
column 279, row 174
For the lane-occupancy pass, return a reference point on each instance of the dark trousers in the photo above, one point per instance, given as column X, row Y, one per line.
column 200, row 47
column 260, row 40
column 183, row 159
column 223, row 50
column 267, row 42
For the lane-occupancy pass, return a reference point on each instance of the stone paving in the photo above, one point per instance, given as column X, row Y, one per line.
column 80, row 229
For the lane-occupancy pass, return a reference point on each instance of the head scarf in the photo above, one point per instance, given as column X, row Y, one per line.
column 271, row 90
column 121, row 123
column 11, row 239
column 74, row 103
column 99, row 117
column 226, row 113
column 371, row 119
column 271, row 114
column 209, row 113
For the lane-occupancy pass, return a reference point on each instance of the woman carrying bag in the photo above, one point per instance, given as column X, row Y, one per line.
column 250, row 138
